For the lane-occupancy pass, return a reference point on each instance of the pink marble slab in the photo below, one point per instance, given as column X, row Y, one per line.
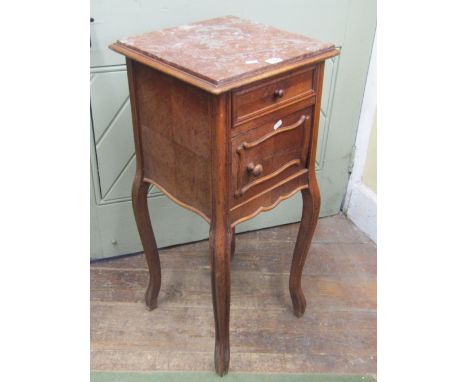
column 225, row 49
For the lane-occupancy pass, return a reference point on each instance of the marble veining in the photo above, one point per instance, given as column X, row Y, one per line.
column 225, row 49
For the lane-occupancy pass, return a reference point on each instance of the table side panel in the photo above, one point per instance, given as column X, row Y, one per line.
column 175, row 120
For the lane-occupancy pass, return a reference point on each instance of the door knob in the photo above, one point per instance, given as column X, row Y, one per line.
column 278, row 93
column 255, row 170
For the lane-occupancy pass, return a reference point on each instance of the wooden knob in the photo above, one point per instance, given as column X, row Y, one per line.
column 255, row 170
column 278, row 93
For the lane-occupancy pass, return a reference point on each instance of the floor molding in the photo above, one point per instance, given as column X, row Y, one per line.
column 362, row 210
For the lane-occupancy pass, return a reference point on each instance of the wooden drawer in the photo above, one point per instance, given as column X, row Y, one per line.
column 276, row 148
column 257, row 99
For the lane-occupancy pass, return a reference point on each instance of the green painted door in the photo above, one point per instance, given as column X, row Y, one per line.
column 350, row 24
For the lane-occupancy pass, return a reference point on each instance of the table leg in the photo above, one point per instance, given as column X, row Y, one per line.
column 220, row 248
column 310, row 213
column 143, row 221
column 233, row 241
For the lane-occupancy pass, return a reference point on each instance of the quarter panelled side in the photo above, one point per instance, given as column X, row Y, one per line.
column 175, row 120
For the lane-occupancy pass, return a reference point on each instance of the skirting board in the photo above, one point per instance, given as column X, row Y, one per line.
column 362, row 210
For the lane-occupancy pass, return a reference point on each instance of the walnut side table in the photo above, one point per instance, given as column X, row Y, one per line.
column 225, row 118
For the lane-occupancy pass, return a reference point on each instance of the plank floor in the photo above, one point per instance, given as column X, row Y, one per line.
column 337, row 333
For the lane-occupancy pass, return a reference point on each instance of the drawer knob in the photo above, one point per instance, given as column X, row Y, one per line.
column 255, row 170
column 278, row 93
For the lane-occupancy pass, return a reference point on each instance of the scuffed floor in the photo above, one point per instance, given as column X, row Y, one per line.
column 337, row 333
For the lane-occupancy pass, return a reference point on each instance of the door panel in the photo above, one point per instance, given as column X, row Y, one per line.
column 109, row 93
column 350, row 24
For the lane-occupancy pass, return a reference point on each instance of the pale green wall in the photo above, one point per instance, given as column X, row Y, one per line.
column 350, row 24
column 369, row 176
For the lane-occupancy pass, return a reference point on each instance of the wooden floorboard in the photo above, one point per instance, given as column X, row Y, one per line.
column 337, row 334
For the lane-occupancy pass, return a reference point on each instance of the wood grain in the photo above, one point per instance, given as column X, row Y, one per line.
column 251, row 330
column 181, row 288
column 328, row 259
column 175, row 124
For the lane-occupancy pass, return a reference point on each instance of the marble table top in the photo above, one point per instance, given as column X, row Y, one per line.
column 225, row 49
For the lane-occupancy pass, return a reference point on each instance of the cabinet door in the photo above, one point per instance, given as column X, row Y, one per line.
column 350, row 24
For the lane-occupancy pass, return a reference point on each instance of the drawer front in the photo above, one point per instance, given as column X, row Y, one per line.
column 277, row 148
column 255, row 100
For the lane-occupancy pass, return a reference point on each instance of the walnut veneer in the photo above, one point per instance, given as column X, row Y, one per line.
column 225, row 118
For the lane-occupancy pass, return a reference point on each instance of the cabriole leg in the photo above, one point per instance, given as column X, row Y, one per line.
column 233, row 241
column 143, row 221
column 310, row 213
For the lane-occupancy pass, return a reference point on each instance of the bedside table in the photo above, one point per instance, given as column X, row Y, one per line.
column 225, row 118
